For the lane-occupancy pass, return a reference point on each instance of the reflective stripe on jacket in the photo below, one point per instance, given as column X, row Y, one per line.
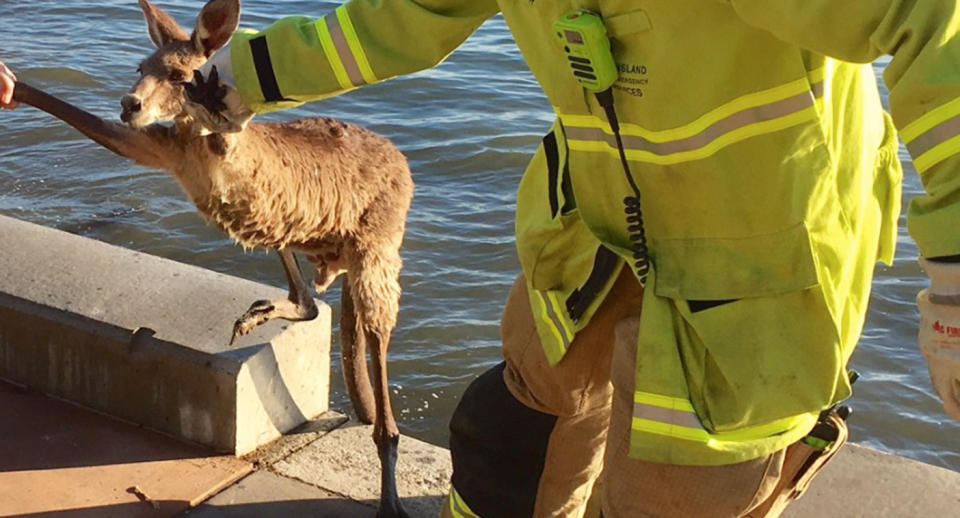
column 768, row 168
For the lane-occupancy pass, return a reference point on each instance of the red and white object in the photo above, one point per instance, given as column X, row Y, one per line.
column 939, row 338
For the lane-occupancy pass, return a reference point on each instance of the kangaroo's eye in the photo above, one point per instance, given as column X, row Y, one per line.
column 178, row 76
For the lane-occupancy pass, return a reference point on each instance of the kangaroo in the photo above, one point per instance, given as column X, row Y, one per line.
column 333, row 191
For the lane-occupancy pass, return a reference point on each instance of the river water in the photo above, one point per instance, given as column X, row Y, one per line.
column 468, row 128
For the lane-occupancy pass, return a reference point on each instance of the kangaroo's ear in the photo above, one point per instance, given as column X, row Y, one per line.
column 161, row 26
column 218, row 21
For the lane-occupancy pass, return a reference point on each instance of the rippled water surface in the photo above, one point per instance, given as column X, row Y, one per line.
column 468, row 127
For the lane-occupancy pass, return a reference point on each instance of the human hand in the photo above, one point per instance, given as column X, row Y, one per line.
column 7, row 83
column 939, row 337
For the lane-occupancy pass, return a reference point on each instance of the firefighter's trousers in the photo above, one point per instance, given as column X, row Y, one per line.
column 530, row 440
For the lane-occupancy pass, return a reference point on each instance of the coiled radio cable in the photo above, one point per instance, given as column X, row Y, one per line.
column 631, row 204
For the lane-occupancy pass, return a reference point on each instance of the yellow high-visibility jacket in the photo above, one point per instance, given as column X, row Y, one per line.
column 769, row 173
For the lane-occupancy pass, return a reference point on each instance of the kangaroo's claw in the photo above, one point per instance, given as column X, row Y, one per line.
column 217, row 107
column 208, row 92
column 259, row 312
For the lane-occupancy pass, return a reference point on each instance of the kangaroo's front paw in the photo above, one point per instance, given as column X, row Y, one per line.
column 217, row 107
column 261, row 311
column 208, row 92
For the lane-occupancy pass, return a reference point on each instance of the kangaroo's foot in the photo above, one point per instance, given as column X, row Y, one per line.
column 390, row 504
column 297, row 307
column 263, row 311
column 386, row 435
column 395, row 512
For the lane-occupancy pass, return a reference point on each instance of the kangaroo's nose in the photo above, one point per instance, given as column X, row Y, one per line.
column 131, row 105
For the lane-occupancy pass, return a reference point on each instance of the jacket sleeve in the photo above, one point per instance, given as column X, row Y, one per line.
column 923, row 78
column 300, row 59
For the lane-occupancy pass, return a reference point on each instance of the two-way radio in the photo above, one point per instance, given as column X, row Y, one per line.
column 583, row 36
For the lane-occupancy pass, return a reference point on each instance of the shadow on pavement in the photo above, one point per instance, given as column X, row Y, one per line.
column 419, row 507
column 41, row 433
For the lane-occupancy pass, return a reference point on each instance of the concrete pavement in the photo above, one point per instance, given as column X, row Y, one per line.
column 335, row 473
column 60, row 460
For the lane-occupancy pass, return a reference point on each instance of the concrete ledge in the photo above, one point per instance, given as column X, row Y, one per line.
column 145, row 339
column 862, row 482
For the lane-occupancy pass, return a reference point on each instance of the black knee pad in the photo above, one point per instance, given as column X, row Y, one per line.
column 499, row 448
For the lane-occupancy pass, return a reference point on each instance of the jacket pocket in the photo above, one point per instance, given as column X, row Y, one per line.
column 773, row 352
column 735, row 268
column 761, row 359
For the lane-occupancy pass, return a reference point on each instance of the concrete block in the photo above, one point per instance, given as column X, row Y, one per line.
column 283, row 383
column 145, row 339
column 345, row 462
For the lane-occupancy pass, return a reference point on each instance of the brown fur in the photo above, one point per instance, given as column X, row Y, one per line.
column 333, row 191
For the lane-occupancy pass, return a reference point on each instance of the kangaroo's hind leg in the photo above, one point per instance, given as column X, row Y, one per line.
column 375, row 287
column 298, row 306
column 353, row 355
